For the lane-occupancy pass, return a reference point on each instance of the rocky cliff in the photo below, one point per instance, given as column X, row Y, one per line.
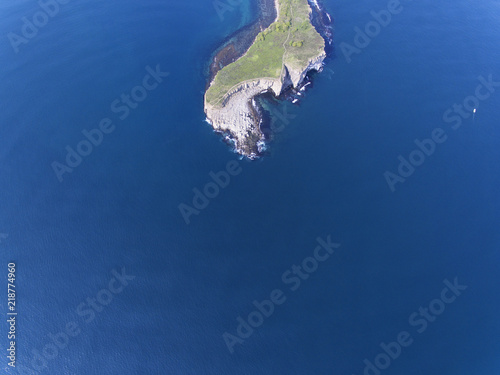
column 237, row 116
column 235, row 113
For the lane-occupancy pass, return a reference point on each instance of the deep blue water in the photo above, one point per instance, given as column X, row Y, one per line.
column 324, row 176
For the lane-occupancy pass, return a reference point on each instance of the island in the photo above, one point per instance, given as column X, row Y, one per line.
column 279, row 58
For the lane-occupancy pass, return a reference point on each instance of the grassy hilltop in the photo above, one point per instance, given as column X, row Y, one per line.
column 291, row 40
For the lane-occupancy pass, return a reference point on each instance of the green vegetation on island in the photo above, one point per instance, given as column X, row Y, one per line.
column 290, row 40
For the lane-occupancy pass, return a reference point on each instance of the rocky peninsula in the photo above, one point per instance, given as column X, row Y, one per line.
column 279, row 58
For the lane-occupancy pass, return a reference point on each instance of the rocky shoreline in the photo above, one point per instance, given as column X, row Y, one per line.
column 238, row 117
column 236, row 44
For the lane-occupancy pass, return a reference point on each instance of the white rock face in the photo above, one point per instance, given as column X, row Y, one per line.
column 298, row 75
column 236, row 115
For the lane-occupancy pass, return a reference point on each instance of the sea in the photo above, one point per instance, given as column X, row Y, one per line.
column 365, row 241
